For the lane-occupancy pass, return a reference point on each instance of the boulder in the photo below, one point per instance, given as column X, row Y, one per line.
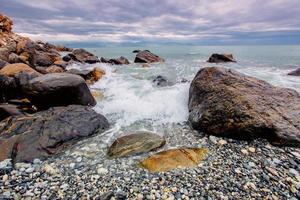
column 3, row 63
column 147, row 57
column 223, row 102
column 136, row 51
column 219, row 58
column 58, row 89
column 48, row 133
column 174, row 159
column 84, row 56
column 119, row 61
column 295, row 72
column 63, row 48
column 43, row 59
column 4, row 54
column 14, row 58
column 7, row 110
column 5, row 23
column 137, row 143
column 90, row 76
column 162, row 81
column 14, row 69
column 67, row 58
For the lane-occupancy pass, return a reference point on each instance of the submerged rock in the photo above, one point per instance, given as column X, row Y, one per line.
column 226, row 103
column 58, row 89
column 174, row 159
column 218, row 58
column 48, row 133
column 295, row 72
column 147, row 57
column 137, row 143
column 162, row 81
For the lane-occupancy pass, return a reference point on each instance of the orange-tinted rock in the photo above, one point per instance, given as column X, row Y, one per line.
column 5, row 23
column 174, row 159
column 54, row 69
column 13, row 69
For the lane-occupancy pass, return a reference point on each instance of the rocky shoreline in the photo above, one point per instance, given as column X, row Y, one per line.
column 52, row 141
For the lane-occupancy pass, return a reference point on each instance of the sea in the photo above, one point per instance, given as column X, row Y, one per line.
column 132, row 102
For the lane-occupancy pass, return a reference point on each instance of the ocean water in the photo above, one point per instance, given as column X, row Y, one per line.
column 132, row 102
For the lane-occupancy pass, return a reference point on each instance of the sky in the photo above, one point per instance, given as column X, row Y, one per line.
column 195, row 22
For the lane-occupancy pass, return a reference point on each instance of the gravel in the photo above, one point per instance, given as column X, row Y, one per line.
column 233, row 170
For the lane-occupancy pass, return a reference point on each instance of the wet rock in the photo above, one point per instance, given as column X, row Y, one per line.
column 174, row 158
column 7, row 110
column 58, row 89
column 4, row 54
column 90, row 76
column 295, row 72
column 136, row 51
column 119, row 61
column 51, row 69
column 218, row 58
column 14, row 69
column 5, row 23
column 3, row 63
column 162, row 81
column 67, row 58
column 104, row 60
column 147, row 57
column 48, row 133
column 223, row 102
column 63, row 48
column 137, row 143
column 84, row 56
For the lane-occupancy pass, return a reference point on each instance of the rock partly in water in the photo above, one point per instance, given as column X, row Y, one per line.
column 81, row 55
column 119, row 61
column 137, row 143
column 48, row 133
column 14, row 69
column 136, row 51
column 162, row 81
column 218, row 58
column 58, row 89
column 90, row 76
column 7, row 110
column 295, row 72
column 147, row 57
column 174, row 159
column 223, row 102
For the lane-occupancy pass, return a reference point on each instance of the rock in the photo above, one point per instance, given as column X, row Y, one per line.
column 4, row 54
column 218, row 58
column 58, row 89
column 223, row 102
column 63, row 48
column 67, row 58
column 145, row 66
column 222, row 142
column 50, row 170
column 48, row 133
column 295, row 72
column 251, row 149
column 162, row 81
column 14, row 69
column 14, row 58
column 147, row 57
column 43, row 59
column 119, row 61
column 174, row 158
column 90, row 76
column 136, row 51
column 3, row 63
column 54, row 69
column 82, row 55
column 5, row 24
column 61, row 63
column 244, row 151
column 102, row 170
column 137, row 143
column 7, row 110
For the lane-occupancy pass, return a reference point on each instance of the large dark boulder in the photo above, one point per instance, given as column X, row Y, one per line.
column 226, row 103
column 58, row 89
column 147, row 57
column 295, row 72
column 119, row 61
column 219, row 58
column 81, row 55
column 48, row 133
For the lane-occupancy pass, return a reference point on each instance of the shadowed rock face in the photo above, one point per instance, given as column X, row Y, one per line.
column 223, row 102
column 295, row 72
column 147, row 57
column 47, row 133
column 82, row 55
column 58, row 89
column 136, row 143
column 219, row 58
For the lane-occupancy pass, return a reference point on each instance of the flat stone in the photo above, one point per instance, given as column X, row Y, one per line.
column 137, row 143
column 174, row 159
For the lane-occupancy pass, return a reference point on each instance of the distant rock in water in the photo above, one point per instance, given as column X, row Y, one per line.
column 119, row 61
column 219, row 58
column 174, row 159
column 147, row 57
column 7, row 110
column 223, row 102
column 58, row 89
column 295, row 72
column 81, row 55
column 48, row 133
column 137, row 143
column 162, row 81
column 136, row 51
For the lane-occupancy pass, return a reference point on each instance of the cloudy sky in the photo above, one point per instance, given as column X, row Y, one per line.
column 158, row 21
